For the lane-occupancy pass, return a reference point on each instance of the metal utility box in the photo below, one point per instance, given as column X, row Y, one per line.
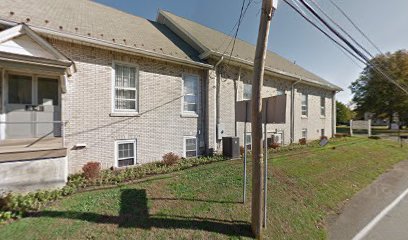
column 230, row 147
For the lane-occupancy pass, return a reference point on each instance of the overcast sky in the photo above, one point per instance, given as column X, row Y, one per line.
column 385, row 22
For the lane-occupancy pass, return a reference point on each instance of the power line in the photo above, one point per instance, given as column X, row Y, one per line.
column 356, row 26
column 342, row 29
column 325, row 33
column 347, row 53
column 351, row 46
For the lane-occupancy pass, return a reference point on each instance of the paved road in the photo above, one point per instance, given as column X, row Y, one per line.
column 394, row 225
column 379, row 211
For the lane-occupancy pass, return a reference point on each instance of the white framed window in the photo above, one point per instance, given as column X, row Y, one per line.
column 248, row 137
column 190, row 93
column 322, row 106
column 304, row 133
column 247, row 92
column 125, row 88
column 125, row 152
column 304, row 104
column 190, row 147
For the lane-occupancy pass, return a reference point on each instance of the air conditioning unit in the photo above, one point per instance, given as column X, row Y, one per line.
column 277, row 138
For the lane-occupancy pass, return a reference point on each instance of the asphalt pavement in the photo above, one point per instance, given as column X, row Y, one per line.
column 378, row 212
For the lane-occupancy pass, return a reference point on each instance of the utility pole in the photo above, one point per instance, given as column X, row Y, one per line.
column 268, row 7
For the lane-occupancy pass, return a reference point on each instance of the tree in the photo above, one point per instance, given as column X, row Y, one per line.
column 374, row 93
column 343, row 113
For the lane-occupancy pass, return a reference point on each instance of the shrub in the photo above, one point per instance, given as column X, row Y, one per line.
column 242, row 150
column 92, row 170
column 274, row 145
column 302, row 141
column 170, row 159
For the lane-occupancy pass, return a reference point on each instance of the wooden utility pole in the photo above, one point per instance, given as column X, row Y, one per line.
column 257, row 216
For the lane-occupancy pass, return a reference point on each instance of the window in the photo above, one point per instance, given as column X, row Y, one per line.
column 47, row 91
column 248, row 137
column 20, row 89
column 126, row 88
column 190, row 92
column 247, row 94
column 190, row 147
column 304, row 105
column 304, row 133
column 126, row 153
column 322, row 106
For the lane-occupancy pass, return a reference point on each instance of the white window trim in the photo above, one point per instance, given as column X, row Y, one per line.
column 243, row 91
column 184, row 145
column 193, row 114
column 124, row 112
column 304, row 130
column 117, row 142
column 323, row 107
column 307, row 105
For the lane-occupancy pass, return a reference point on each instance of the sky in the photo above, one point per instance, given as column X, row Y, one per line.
column 385, row 22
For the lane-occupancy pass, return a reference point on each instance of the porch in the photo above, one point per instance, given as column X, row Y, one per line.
column 32, row 148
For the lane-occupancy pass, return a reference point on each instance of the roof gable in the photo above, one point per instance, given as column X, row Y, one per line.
column 21, row 40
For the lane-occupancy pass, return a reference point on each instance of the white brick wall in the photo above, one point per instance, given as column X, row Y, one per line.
column 160, row 128
column 87, row 106
column 314, row 123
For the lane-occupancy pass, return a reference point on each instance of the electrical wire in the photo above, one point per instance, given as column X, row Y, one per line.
column 325, row 33
column 356, row 26
column 342, row 29
column 351, row 46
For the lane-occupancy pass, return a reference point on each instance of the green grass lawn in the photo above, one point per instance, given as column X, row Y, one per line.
column 205, row 202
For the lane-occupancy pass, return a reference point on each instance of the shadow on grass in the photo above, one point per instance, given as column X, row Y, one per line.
column 134, row 213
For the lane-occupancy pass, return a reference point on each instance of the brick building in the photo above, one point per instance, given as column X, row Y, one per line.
column 83, row 82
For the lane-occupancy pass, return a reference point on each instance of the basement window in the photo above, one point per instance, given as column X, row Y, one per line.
column 190, row 147
column 125, row 153
column 304, row 133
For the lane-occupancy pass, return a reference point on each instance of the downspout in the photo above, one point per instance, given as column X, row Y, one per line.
column 334, row 114
column 217, row 100
column 292, row 111
column 236, row 97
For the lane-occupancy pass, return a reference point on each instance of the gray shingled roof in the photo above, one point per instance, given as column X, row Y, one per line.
column 90, row 19
column 210, row 39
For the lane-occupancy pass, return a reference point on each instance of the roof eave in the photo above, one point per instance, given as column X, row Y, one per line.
column 109, row 45
column 273, row 71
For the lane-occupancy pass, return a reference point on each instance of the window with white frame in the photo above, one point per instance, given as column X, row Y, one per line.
column 125, row 153
column 190, row 147
column 126, row 88
column 247, row 93
column 323, row 106
column 248, row 137
column 304, row 133
column 190, row 93
column 304, row 104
